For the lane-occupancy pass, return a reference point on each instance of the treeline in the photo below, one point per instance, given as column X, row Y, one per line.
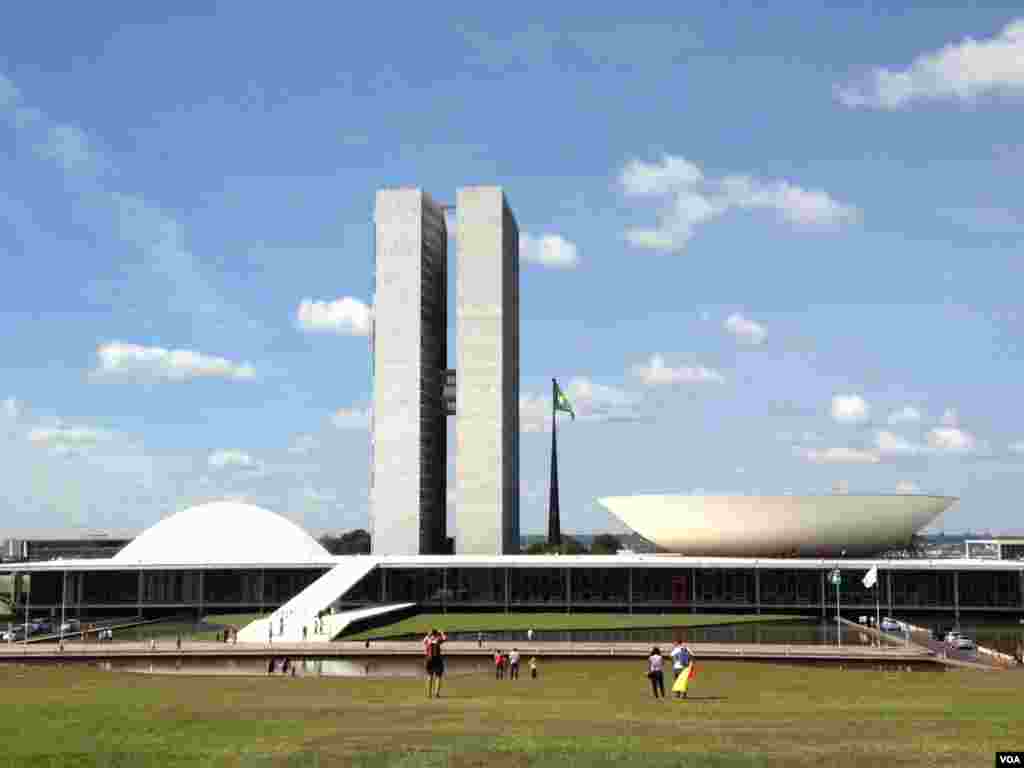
column 355, row 542
column 601, row 544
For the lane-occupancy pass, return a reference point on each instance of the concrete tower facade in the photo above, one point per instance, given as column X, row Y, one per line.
column 487, row 392
column 408, row 480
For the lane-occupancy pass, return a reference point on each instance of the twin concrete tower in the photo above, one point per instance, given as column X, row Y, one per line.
column 414, row 391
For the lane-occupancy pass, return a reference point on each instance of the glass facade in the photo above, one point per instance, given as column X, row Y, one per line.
column 536, row 588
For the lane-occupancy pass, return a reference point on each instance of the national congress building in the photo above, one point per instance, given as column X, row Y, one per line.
column 742, row 553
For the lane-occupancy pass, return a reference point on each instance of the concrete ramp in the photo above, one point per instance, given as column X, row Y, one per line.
column 287, row 622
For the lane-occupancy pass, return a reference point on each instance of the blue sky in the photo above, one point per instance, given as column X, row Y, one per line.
column 769, row 251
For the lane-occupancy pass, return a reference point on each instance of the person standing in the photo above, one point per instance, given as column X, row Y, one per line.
column 684, row 675
column 479, row 639
column 499, row 665
column 434, row 661
column 533, row 667
column 655, row 672
column 529, row 634
column 513, row 665
column 680, row 660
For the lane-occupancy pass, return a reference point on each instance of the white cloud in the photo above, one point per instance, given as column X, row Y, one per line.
column 891, row 444
column 9, row 93
column 745, row 330
column 951, row 440
column 850, row 409
column 67, row 146
column 232, row 459
column 346, row 316
column 839, row 455
column 905, row 415
column 351, row 418
column 319, row 496
column 1017, row 447
column 656, row 373
column 117, row 359
column 938, row 441
column 64, row 438
column 956, row 72
column 549, row 251
column 11, row 408
column 592, row 402
column 950, row 418
column 906, row 486
column 687, row 199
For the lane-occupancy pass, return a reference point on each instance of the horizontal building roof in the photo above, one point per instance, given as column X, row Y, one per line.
column 536, row 561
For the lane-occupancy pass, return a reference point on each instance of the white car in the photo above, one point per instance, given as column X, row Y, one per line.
column 17, row 632
column 71, row 625
column 891, row 625
column 959, row 641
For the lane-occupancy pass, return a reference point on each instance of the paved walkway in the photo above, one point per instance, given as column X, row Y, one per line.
column 764, row 652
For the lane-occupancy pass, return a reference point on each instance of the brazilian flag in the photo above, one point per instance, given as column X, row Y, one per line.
column 562, row 402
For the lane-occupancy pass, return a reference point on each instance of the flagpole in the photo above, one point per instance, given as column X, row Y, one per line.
column 878, row 606
column 554, row 517
column 63, row 603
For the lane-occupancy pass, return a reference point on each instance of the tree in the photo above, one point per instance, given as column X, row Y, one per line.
column 605, row 544
column 569, row 546
column 355, row 542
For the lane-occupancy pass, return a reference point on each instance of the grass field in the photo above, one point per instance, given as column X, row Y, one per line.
column 494, row 622
column 577, row 713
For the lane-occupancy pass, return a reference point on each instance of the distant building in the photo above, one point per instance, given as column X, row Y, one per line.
column 63, row 548
column 994, row 549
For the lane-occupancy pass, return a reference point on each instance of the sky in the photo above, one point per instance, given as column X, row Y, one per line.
column 764, row 251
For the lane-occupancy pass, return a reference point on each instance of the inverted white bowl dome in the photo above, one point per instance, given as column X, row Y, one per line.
column 747, row 526
column 224, row 532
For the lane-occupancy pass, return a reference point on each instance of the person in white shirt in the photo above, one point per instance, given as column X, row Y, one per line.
column 513, row 664
column 655, row 673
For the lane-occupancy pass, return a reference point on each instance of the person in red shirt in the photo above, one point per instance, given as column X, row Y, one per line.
column 499, row 665
column 434, row 661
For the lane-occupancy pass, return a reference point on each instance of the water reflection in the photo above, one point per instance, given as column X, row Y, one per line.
column 796, row 632
column 390, row 666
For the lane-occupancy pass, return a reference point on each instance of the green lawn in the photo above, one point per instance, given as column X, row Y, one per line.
column 167, row 630
column 235, row 619
column 580, row 713
column 494, row 622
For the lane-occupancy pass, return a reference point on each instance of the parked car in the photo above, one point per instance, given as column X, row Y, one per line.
column 964, row 643
column 16, row 633
column 890, row 624
column 70, row 626
column 959, row 641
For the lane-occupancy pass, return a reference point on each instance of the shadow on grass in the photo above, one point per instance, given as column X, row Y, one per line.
column 704, row 698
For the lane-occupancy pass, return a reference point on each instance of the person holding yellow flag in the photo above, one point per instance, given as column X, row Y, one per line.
column 684, row 667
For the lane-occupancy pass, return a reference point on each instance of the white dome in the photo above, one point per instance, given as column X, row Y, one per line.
column 224, row 532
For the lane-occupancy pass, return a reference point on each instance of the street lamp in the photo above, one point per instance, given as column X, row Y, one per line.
column 837, row 579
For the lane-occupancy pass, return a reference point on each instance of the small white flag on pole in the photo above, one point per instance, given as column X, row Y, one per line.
column 871, row 577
